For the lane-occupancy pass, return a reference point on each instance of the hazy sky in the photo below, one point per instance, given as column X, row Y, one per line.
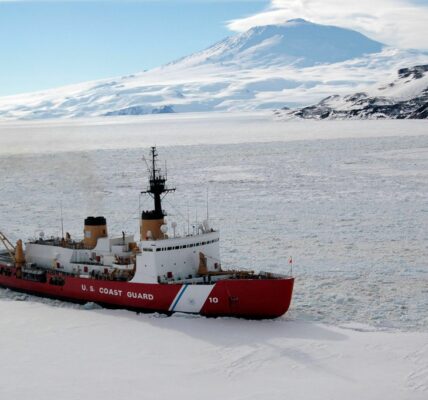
column 53, row 43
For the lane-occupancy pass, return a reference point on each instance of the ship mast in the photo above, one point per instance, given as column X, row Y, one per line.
column 157, row 187
column 151, row 220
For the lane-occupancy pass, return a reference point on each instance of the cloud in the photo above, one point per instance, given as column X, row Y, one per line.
column 400, row 23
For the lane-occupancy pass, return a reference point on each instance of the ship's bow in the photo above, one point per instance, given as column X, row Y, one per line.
column 250, row 298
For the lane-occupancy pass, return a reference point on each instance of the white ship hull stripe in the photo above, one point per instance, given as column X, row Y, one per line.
column 191, row 298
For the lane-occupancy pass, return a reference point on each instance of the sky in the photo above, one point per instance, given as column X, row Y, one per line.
column 55, row 43
column 50, row 44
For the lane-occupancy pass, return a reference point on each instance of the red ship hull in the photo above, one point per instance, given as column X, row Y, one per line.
column 246, row 298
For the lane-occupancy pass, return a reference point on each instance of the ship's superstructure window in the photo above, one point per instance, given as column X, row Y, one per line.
column 184, row 246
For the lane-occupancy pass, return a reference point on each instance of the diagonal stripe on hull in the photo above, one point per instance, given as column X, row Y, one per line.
column 178, row 297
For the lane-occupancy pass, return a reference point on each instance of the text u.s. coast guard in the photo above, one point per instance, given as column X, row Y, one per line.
column 118, row 292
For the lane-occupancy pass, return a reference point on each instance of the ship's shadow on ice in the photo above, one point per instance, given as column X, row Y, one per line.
column 247, row 344
column 235, row 331
column 263, row 341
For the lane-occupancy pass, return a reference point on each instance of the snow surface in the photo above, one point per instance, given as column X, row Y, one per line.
column 346, row 199
column 55, row 353
column 268, row 67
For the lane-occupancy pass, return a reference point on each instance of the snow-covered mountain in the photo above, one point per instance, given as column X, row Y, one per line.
column 404, row 98
column 293, row 64
column 298, row 42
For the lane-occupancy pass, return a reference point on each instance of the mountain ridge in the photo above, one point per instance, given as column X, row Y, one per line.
column 294, row 64
column 404, row 98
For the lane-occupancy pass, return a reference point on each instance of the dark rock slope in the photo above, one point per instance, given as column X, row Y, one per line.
column 404, row 98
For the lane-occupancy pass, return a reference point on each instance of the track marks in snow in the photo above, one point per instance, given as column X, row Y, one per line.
column 418, row 378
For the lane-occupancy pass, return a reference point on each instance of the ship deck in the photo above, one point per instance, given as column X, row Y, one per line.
column 57, row 242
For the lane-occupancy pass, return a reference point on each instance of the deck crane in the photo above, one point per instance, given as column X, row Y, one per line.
column 16, row 253
column 8, row 245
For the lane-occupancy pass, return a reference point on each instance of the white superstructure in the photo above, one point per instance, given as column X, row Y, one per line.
column 154, row 258
column 176, row 259
column 155, row 261
column 70, row 256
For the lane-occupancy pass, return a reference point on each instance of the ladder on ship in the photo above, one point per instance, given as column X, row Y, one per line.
column 8, row 245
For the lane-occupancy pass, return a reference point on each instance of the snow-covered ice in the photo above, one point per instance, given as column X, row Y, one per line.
column 184, row 129
column 347, row 199
column 68, row 353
